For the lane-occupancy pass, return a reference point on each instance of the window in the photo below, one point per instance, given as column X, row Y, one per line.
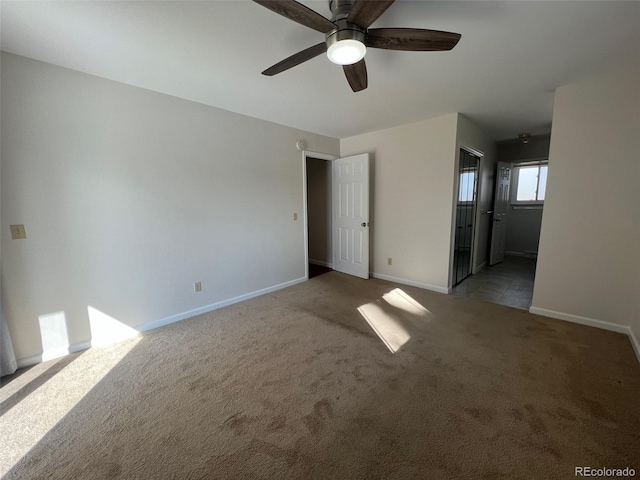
column 467, row 186
column 531, row 183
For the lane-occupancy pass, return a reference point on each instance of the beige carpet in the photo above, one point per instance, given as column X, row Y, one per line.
column 296, row 384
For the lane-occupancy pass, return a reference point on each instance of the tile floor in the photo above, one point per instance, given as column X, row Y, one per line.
column 508, row 283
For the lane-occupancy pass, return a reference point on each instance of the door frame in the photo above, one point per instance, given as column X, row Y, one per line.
column 320, row 156
column 476, row 215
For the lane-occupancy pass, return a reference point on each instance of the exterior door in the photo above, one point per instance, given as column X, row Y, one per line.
column 351, row 215
column 500, row 209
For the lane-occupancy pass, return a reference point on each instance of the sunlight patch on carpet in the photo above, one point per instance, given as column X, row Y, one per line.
column 400, row 299
column 393, row 319
column 64, row 391
column 385, row 324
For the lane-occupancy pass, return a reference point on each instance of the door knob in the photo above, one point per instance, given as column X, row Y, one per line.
column 364, row 224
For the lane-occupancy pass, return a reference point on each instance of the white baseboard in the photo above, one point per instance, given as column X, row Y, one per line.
column 215, row 306
column 635, row 344
column 53, row 354
column 591, row 322
column 77, row 347
column 522, row 254
column 321, row 263
column 411, row 283
column 479, row 267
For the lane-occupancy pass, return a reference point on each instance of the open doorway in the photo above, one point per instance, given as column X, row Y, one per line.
column 520, row 182
column 319, row 226
column 336, row 213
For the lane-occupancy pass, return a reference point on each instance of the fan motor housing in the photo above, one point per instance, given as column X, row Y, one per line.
column 340, row 9
column 345, row 31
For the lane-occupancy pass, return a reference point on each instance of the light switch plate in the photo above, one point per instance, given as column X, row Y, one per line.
column 18, row 232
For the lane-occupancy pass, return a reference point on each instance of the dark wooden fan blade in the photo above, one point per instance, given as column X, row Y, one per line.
column 356, row 75
column 296, row 59
column 365, row 12
column 298, row 13
column 411, row 39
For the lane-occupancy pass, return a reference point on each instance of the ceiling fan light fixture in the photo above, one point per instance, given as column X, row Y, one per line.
column 347, row 36
column 346, row 52
column 345, row 44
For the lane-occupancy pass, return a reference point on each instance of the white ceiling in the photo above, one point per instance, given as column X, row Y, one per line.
column 502, row 74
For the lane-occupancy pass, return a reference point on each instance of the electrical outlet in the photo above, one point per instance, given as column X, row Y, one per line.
column 389, row 261
column 295, row 216
column 197, row 287
column 18, row 232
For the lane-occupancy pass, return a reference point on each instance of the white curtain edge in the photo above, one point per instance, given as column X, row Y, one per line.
column 8, row 363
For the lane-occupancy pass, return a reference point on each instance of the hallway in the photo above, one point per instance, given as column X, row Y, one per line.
column 508, row 283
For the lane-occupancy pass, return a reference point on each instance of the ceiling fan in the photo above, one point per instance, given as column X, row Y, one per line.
column 347, row 35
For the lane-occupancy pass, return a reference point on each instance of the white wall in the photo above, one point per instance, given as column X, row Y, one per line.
column 129, row 196
column 589, row 257
column 413, row 170
column 471, row 136
column 523, row 230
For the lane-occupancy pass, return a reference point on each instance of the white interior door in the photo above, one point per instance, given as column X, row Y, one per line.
column 350, row 194
column 500, row 209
